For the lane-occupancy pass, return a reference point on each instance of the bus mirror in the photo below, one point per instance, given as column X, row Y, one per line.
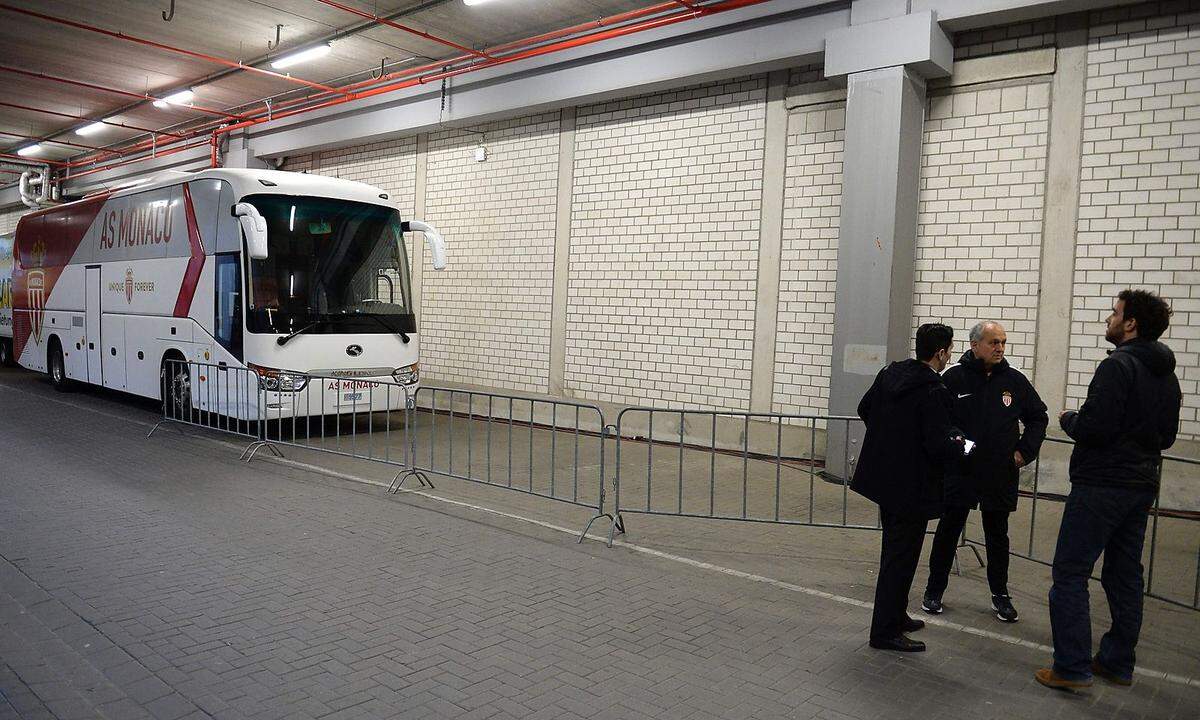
column 437, row 244
column 254, row 227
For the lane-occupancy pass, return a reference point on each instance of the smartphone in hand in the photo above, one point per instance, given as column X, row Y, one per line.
column 968, row 446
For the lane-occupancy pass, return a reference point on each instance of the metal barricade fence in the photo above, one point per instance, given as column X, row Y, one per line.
column 1039, row 512
column 756, row 467
column 549, row 448
column 724, row 465
column 210, row 395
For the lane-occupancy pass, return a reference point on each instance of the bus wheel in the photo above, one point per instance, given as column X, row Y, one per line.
column 6, row 352
column 177, row 384
column 58, row 369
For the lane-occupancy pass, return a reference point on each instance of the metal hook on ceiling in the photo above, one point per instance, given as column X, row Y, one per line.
column 382, row 65
column 278, row 31
column 171, row 15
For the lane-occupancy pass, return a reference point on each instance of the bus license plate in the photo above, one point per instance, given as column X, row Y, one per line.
column 352, row 397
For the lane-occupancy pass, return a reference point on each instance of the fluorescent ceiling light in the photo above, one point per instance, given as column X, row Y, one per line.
column 91, row 129
column 303, row 56
column 179, row 98
column 29, row 150
column 474, row 2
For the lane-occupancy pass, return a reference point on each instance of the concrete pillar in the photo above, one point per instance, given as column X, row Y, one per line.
column 562, row 251
column 885, row 63
column 1062, row 210
column 770, row 245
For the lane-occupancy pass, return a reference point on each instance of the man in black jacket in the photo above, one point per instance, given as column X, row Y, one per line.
column 908, row 438
column 1130, row 416
column 990, row 397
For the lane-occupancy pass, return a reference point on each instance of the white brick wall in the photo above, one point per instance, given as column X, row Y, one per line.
column 486, row 318
column 665, row 218
column 1140, row 185
column 979, row 232
column 808, row 268
column 8, row 220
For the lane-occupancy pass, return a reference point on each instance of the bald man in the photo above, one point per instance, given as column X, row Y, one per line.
column 989, row 397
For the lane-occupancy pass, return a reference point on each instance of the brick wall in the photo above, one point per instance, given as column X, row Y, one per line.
column 1140, row 185
column 808, row 267
column 8, row 220
column 486, row 318
column 665, row 221
column 979, row 231
column 1004, row 38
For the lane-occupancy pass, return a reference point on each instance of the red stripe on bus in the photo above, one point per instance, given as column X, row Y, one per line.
column 191, row 277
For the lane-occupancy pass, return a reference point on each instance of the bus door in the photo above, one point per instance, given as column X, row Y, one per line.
column 92, row 329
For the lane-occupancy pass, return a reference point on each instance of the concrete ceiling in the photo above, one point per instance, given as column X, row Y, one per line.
column 236, row 30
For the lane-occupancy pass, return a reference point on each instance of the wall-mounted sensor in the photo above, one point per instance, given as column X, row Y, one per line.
column 480, row 154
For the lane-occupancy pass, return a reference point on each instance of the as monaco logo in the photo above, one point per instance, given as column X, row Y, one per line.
column 129, row 286
column 35, row 290
column 35, row 293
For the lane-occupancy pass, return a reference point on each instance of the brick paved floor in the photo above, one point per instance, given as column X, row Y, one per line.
column 165, row 579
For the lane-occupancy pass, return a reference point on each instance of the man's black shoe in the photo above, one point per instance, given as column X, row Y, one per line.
column 1003, row 606
column 912, row 625
column 900, row 643
column 932, row 605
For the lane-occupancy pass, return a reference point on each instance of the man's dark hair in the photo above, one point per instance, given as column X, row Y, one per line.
column 932, row 337
column 1152, row 313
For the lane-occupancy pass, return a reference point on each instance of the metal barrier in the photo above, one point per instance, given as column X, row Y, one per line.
column 754, row 467
column 553, row 449
column 212, row 396
column 1041, row 510
column 749, row 475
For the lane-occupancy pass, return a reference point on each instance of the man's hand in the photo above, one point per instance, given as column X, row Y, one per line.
column 1018, row 459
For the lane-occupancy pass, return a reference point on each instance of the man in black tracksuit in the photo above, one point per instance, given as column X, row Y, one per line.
column 908, row 438
column 990, row 397
column 1130, row 416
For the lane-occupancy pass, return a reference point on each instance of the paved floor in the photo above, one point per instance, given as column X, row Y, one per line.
column 162, row 578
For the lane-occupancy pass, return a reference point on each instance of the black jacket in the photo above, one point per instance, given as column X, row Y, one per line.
column 987, row 408
column 909, row 437
column 1130, row 416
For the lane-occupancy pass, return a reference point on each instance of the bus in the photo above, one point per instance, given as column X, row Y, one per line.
column 6, row 329
column 185, row 280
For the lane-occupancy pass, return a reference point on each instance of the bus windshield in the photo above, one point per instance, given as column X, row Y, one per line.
column 336, row 265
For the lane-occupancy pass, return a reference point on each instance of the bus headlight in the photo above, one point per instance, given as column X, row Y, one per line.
column 408, row 375
column 274, row 380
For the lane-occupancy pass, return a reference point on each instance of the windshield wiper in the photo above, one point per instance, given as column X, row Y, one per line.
column 403, row 335
column 286, row 338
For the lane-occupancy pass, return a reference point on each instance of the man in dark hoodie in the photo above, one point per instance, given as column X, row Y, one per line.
column 990, row 397
column 909, row 437
column 1130, row 416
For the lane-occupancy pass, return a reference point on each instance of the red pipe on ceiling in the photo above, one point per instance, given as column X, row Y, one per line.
column 670, row 19
column 163, row 153
column 126, row 93
column 80, row 117
column 405, row 28
column 168, row 48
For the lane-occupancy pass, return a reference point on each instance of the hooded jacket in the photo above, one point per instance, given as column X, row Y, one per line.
column 987, row 408
column 909, row 438
column 1130, row 416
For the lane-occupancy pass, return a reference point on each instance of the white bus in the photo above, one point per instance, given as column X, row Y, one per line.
column 285, row 274
column 6, row 329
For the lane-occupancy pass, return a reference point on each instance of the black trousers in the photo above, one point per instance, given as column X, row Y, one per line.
column 945, row 539
column 899, row 554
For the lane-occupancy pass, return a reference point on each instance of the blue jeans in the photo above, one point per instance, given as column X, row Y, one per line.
column 1099, row 519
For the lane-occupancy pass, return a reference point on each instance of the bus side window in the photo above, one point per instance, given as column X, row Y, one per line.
column 227, row 326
